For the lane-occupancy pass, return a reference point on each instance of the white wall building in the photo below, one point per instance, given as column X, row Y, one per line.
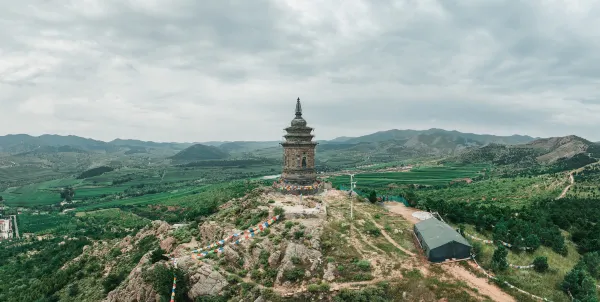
column 6, row 229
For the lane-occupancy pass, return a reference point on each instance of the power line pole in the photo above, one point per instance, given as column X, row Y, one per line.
column 352, row 186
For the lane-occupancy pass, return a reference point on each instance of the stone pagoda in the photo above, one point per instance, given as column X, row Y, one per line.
column 299, row 174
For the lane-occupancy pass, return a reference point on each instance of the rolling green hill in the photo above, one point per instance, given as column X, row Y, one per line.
column 200, row 152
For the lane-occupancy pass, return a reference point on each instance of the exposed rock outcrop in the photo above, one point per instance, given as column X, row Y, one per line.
column 135, row 289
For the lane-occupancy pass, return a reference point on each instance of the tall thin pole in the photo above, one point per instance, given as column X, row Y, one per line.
column 352, row 186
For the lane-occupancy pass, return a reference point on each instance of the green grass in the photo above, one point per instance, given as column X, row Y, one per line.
column 434, row 176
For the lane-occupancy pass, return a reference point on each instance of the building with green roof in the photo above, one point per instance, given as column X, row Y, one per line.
column 440, row 242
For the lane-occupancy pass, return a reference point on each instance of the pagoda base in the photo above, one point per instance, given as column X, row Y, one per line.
column 297, row 189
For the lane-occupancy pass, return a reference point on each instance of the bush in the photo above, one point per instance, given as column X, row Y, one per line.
column 112, row 281
column 373, row 197
column 580, row 284
column 499, row 262
column 161, row 278
column 158, row 255
column 296, row 260
column 363, row 265
column 278, row 211
column 540, row 264
column 477, row 248
column 372, row 229
column 294, row 274
column 298, row 234
column 289, row 225
column 314, row 288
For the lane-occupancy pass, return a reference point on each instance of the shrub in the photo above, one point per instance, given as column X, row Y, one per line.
column 579, row 284
column 372, row 229
column 540, row 264
column 499, row 262
column 161, row 278
column 112, row 281
column 363, row 265
column 158, row 255
column 296, row 260
column 298, row 234
column 294, row 274
column 373, row 197
column 323, row 287
column 289, row 225
column 278, row 211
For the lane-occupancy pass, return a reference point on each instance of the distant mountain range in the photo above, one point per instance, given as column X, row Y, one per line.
column 379, row 146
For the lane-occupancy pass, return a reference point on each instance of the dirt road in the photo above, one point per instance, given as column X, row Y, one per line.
column 459, row 272
column 564, row 192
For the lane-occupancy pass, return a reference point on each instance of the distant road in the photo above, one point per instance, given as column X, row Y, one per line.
column 16, row 226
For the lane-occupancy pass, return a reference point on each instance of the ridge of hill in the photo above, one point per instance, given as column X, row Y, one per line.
column 134, row 143
column 200, row 152
column 43, row 150
column 21, row 143
column 396, row 134
column 546, row 154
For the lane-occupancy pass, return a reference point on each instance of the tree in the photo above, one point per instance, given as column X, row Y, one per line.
column 158, row 255
column 1, row 199
column 540, row 264
column 532, row 241
column 591, row 261
column 67, row 193
column 499, row 262
column 373, row 196
column 477, row 247
column 579, row 284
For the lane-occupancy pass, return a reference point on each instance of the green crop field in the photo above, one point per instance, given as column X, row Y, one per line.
column 29, row 223
column 158, row 198
column 434, row 176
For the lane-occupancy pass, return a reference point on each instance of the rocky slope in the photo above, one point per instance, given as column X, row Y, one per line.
column 313, row 253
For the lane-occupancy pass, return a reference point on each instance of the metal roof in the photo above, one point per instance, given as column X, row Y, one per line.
column 436, row 233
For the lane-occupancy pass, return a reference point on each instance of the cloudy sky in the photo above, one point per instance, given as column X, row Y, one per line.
column 190, row 70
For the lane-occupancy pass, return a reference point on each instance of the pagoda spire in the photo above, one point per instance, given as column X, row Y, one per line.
column 298, row 108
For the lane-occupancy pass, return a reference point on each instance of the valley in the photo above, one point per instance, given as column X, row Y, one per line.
column 106, row 217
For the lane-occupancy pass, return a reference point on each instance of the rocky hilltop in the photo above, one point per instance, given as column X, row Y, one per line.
column 312, row 252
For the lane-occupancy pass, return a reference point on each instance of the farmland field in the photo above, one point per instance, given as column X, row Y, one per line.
column 515, row 191
column 433, row 176
column 29, row 223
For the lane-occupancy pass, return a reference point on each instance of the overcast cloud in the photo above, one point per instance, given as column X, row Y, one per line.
column 200, row 70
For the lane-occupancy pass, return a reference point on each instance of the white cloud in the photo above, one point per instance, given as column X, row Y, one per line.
column 231, row 70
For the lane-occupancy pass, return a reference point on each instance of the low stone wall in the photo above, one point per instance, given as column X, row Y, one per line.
column 302, row 191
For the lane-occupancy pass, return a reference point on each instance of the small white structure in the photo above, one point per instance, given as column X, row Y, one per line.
column 6, row 229
column 422, row 215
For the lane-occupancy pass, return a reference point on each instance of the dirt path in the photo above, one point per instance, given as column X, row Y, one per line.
column 481, row 284
column 564, row 192
column 389, row 238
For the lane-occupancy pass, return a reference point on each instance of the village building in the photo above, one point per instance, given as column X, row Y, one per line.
column 6, row 231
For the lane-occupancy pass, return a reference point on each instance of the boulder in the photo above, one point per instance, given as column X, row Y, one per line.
column 204, row 281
